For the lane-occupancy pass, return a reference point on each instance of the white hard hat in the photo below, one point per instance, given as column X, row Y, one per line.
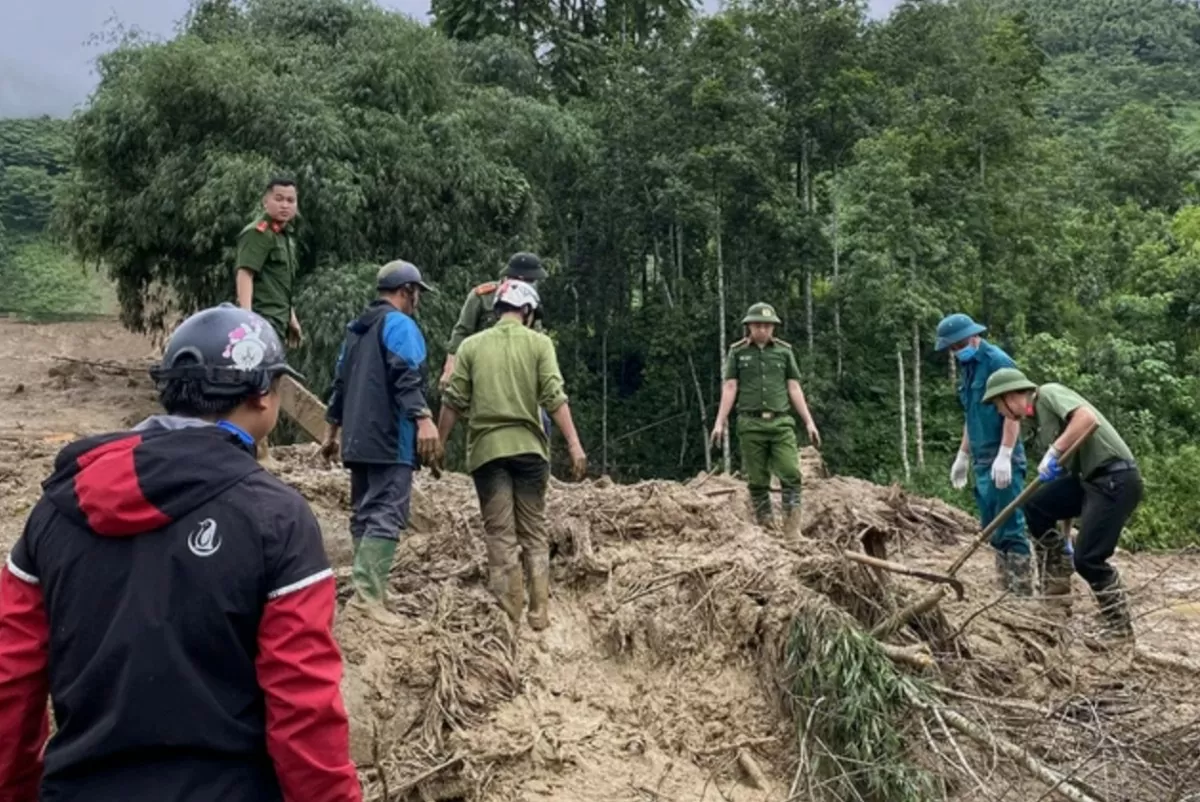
column 518, row 294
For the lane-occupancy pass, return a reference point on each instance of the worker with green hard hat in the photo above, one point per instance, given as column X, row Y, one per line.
column 762, row 376
column 1100, row 485
column 990, row 448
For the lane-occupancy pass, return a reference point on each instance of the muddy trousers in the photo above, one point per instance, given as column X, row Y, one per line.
column 769, row 447
column 512, row 500
column 1102, row 504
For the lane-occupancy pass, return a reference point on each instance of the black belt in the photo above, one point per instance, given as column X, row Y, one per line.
column 1115, row 466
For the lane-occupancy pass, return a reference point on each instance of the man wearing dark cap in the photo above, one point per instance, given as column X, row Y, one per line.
column 378, row 407
column 476, row 314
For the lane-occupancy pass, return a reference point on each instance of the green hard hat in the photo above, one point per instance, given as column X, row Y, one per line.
column 762, row 313
column 1006, row 380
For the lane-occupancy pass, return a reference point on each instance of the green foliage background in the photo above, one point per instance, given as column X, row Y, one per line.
column 1030, row 162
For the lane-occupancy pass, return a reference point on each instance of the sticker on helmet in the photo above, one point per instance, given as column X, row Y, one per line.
column 246, row 347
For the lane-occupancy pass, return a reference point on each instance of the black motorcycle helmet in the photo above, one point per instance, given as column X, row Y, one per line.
column 226, row 353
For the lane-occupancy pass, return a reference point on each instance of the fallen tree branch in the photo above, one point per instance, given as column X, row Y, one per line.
column 753, row 773
column 1166, row 660
column 1057, row 781
column 899, row 568
column 917, row 655
column 424, row 776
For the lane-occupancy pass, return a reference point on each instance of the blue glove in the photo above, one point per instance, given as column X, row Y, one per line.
column 1050, row 469
column 545, row 423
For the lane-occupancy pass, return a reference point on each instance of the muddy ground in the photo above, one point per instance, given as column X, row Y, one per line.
column 666, row 659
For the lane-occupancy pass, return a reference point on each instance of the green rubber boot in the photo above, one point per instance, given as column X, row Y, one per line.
column 372, row 564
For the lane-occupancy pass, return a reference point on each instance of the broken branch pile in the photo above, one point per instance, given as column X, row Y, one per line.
column 693, row 655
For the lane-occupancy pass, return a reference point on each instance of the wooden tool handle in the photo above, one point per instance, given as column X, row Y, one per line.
column 1015, row 505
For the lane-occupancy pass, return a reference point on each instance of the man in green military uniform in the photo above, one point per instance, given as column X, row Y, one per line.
column 476, row 314
column 1101, row 486
column 266, row 262
column 761, row 374
column 266, row 267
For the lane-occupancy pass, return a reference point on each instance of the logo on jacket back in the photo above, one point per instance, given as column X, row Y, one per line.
column 203, row 541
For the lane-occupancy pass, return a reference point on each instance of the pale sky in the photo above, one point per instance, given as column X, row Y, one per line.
column 46, row 58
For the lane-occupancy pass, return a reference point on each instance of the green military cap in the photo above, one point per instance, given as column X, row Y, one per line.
column 1004, row 381
column 762, row 313
column 525, row 266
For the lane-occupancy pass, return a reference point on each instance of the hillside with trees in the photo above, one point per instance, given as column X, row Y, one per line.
column 1030, row 162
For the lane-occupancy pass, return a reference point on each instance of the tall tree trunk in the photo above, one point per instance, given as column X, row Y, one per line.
column 903, row 417
column 695, row 381
column 721, row 325
column 679, row 261
column 604, row 396
column 918, row 414
column 806, row 205
column 837, row 307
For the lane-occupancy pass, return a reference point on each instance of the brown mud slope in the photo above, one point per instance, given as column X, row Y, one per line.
column 678, row 632
column 666, row 659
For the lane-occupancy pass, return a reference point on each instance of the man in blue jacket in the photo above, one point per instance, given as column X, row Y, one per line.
column 378, row 406
column 991, row 448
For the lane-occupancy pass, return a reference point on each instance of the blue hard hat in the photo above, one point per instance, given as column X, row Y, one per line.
column 956, row 328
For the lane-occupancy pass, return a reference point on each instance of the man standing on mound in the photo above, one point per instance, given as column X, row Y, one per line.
column 266, row 267
column 990, row 449
column 762, row 376
column 476, row 314
column 173, row 600
column 501, row 378
column 1101, row 486
column 378, row 407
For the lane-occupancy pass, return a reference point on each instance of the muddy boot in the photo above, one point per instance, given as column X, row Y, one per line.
column 1014, row 573
column 763, row 513
column 1020, row 574
column 791, row 512
column 507, row 584
column 1054, row 569
column 1116, row 628
column 369, row 576
column 1000, row 559
column 372, row 564
column 537, row 577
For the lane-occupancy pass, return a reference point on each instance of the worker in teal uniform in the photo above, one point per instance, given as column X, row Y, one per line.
column 990, row 448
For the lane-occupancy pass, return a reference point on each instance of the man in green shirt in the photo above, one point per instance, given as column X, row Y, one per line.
column 266, row 268
column 762, row 376
column 501, row 378
column 1101, row 486
column 266, row 262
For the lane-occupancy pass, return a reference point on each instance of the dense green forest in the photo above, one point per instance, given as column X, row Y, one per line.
column 39, row 276
column 1030, row 162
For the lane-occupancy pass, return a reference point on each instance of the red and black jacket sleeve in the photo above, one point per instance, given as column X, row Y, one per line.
column 24, row 681
column 299, row 666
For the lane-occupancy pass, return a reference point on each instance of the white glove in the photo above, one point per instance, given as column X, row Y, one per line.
column 958, row 471
column 1002, row 468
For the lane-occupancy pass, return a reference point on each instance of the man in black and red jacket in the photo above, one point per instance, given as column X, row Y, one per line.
column 174, row 601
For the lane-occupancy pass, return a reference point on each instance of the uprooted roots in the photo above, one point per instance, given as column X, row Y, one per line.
column 691, row 651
